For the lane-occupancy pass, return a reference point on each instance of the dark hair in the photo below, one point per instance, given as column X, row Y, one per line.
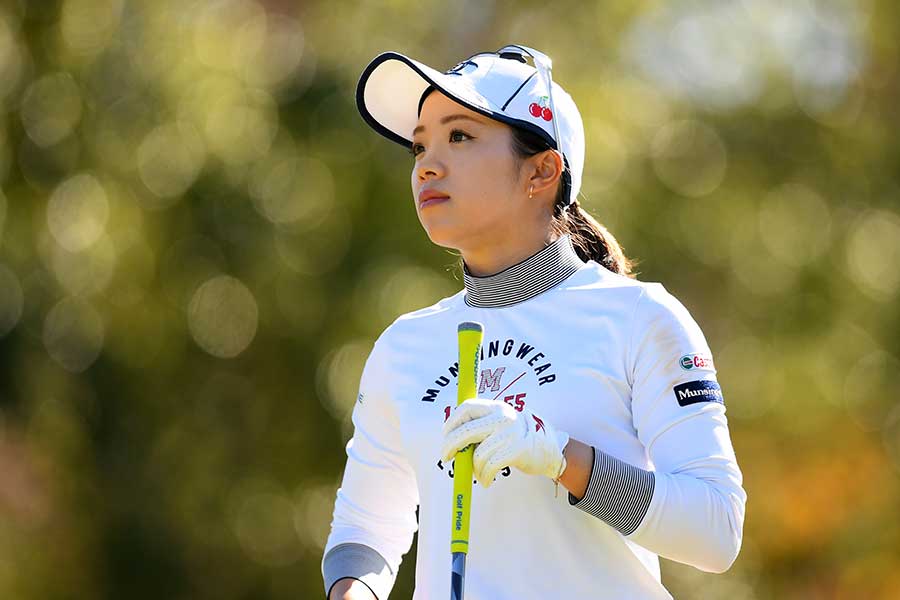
column 592, row 241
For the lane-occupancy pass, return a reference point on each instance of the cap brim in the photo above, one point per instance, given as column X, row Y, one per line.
column 391, row 87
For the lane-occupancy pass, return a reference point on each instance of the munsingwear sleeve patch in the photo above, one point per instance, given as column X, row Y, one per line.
column 703, row 390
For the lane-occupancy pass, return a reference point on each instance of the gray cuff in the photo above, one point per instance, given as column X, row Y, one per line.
column 618, row 493
column 358, row 561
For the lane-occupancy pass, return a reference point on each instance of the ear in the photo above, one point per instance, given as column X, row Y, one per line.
column 546, row 171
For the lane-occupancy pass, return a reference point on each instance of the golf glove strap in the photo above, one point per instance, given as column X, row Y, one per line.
column 504, row 437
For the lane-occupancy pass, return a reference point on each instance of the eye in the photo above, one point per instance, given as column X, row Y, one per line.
column 460, row 132
column 415, row 148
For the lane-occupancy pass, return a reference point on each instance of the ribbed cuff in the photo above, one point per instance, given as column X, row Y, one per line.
column 618, row 493
column 361, row 562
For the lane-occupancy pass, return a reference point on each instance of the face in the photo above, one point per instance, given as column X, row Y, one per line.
column 468, row 157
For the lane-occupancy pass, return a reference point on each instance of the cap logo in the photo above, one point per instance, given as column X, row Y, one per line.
column 541, row 109
column 457, row 70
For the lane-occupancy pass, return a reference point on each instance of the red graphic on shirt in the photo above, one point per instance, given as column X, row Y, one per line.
column 510, row 385
column 540, row 425
column 515, row 400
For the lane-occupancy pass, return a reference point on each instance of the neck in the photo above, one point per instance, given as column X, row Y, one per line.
column 491, row 259
column 530, row 277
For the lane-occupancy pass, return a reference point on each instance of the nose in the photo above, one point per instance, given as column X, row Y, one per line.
column 428, row 167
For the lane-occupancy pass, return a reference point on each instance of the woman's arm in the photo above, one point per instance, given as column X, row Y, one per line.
column 351, row 589
column 696, row 507
column 374, row 516
column 579, row 461
column 612, row 490
column 690, row 507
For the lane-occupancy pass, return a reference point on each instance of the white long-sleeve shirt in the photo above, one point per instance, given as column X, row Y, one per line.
column 617, row 363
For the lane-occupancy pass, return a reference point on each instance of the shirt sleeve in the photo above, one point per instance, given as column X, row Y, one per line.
column 356, row 561
column 696, row 514
column 376, row 502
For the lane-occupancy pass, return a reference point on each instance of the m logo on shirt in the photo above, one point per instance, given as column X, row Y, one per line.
column 491, row 379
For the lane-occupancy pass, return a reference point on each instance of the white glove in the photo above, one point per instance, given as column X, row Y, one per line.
column 505, row 437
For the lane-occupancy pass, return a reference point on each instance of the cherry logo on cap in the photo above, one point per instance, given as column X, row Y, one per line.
column 541, row 111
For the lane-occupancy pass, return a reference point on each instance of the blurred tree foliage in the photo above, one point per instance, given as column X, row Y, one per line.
column 200, row 239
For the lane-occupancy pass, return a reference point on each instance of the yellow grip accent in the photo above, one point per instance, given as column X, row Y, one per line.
column 470, row 337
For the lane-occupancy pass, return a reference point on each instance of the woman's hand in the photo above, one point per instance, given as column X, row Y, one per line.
column 505, row 437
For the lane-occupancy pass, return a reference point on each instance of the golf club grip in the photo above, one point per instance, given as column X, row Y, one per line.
column 470, row 336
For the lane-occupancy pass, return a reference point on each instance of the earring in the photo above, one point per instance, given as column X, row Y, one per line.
column 530, row 190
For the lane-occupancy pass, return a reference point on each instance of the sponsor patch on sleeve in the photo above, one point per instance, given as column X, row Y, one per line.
column 698, row 360
column 703, row 390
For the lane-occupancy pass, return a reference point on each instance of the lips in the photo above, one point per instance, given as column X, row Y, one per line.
column 431, row 196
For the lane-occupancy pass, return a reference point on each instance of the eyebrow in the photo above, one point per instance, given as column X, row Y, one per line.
column 447, row 119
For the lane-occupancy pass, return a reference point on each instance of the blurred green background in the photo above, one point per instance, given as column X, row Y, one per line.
column 200, row 240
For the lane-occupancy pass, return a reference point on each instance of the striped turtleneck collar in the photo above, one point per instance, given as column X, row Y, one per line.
column 527, row 279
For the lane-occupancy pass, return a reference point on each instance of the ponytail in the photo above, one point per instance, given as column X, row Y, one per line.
column 591, row 240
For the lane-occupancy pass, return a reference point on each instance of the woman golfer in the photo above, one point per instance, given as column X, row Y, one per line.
column 588, row 378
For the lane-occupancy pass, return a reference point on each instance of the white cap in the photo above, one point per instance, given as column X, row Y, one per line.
column 500, row 85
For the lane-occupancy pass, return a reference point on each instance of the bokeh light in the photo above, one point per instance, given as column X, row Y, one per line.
column 295, row 190
column 13, row 57
column 223, row 316
column 51, row 108
column 263, row 518
column 336, row 393
column 319, row 250
column 748, row 358
column 871, row 389
column 77, row 212
column 73, row 334
column 87, row 272
column 873, row 253
column 88, row 27
column 169, row 159
column 795, row 224
column 689, row 157
column 312, row 516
